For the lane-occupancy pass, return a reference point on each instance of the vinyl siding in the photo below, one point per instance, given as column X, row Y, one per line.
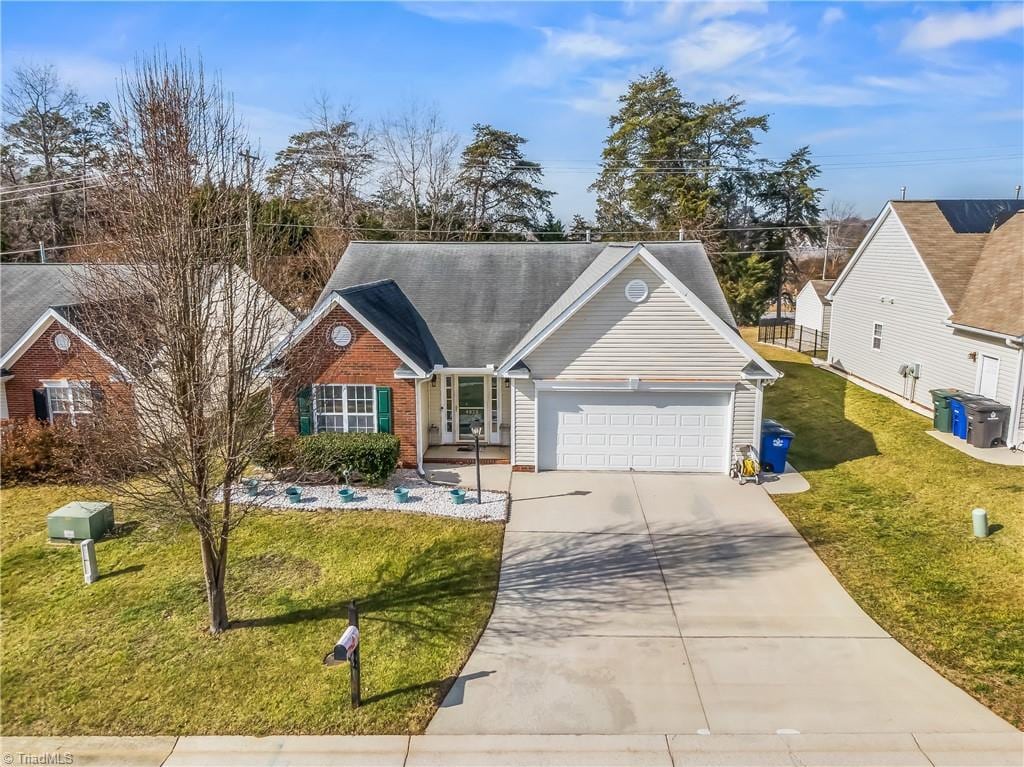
column 524, row 396
column 432, row 417
column 612, row 338
column 913, row 329
column 743, row 409
column 809, row 310
column 826, row 319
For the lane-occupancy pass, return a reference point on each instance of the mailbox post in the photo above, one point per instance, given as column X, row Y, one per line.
column 353, row 621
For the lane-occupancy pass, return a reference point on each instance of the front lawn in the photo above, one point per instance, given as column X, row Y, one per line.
column 889, row 512
column 130, row 655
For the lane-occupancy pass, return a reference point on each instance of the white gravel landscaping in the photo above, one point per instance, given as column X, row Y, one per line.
column 424, row 498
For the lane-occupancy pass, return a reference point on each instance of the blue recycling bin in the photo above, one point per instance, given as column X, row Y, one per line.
column 958, row 412
column 775, row 442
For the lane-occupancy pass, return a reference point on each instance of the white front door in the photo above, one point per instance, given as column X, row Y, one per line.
column 641, row 431
column 988, row 376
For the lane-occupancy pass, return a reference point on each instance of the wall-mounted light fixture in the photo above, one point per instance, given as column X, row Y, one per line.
column 972, row 356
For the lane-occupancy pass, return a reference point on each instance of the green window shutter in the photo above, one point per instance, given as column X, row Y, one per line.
column 304, row 406
column 384, row 409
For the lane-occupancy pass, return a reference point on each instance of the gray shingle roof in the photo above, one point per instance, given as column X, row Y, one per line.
column 480, row 299
column 28, row 290
column 387, row 308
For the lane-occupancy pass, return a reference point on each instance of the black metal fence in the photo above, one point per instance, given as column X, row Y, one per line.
column 785, row 333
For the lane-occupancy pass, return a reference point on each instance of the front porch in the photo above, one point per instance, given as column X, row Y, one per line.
column 464, row 454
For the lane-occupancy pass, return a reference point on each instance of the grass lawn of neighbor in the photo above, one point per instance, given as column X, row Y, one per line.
column 130, row 655
column 889, row 512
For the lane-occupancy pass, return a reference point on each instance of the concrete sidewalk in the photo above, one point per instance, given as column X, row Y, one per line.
column 841, row 750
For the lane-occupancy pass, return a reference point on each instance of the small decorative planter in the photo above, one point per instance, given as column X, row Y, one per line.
column 252, row 487
column 294, row 494
column 401, row 494
column 458, row 495
column 347, row 494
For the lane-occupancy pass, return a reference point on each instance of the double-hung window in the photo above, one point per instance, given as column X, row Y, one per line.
column 346, row 407
column 68, row 398
column 876, row 336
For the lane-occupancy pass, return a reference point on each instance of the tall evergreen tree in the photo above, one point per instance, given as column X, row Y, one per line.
column 501, row 187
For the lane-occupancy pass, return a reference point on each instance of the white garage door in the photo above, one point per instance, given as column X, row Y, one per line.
column 645, row 431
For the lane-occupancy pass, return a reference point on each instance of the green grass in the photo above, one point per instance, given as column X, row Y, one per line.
column 889, row 512
column 129, row 655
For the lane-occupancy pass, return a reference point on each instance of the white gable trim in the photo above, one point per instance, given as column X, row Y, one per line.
column 525, row 346
column 809, row 287
column 33, row 334
column 639, row 251
column 303, row 328
column 886, row 211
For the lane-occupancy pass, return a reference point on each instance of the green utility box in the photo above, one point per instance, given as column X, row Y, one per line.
column 80, row 520
column 943, row 418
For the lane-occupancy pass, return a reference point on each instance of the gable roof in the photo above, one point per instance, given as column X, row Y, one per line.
column 30, row 291
column 994, row 298
column 820, row 288
column 479, row 299
column 951, row 236
column 605, row 267
column 387, row 308
column 27, row 291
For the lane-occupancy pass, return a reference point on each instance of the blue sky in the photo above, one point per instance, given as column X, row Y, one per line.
column 930, row 95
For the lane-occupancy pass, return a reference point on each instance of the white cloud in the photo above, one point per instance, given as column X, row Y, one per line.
column 722, row 9
column 832, row 16
column 603, row 100
column 944, row 29
column 472, row 12
column 583, row 45
column 720, row 44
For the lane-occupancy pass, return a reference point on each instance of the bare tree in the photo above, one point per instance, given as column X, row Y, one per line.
column 42, row 116
column 328, row 164
column 421, row 167
column 188, row 325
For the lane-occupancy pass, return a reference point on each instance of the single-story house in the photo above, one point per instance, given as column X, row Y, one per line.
column 587, row 356
column 934, row 298
column 813, row 307
column 50, row 368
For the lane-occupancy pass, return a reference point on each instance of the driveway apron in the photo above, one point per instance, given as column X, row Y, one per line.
column 657, row 603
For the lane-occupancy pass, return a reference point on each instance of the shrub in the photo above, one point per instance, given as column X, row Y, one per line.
column 373, row 456
column 277, row 453
column 35, row 451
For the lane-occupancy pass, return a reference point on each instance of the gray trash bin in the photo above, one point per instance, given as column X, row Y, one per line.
column 987, row 422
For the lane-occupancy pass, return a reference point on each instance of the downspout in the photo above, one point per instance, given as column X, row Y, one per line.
column 1013, row 431
column 419, row 430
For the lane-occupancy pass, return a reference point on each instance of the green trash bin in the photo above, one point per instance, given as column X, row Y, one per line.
column 943, row 418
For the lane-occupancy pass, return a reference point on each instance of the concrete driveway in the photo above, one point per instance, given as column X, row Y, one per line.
column 652, row 603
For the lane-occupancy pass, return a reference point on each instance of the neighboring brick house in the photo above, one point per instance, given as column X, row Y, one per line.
column 50, row 369
column 592, row 356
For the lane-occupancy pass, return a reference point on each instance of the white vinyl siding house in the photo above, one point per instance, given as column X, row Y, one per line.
column 617, row 369
column 889, row 285
column 661, row 337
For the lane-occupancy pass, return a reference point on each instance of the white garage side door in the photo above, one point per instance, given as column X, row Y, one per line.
column 644, row 431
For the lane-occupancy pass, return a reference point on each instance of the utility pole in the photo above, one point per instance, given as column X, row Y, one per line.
column 249, row 160
column 828, row 240
column 85, row 202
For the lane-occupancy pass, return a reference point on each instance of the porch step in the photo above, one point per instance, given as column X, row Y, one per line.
column 463, row 461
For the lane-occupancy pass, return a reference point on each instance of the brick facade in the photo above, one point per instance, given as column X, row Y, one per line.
column 366, row 360
column 43, row 361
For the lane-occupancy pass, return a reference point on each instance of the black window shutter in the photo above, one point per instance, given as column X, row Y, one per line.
column 304, row 406
column 41, row 404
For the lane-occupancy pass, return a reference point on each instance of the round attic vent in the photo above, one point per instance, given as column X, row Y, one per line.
column 341, row 336
column 636, row 291
column 62, row 342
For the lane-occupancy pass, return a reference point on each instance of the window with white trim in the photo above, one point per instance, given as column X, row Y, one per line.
column 876, row 336
column 346, row 407
column 68, row 398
